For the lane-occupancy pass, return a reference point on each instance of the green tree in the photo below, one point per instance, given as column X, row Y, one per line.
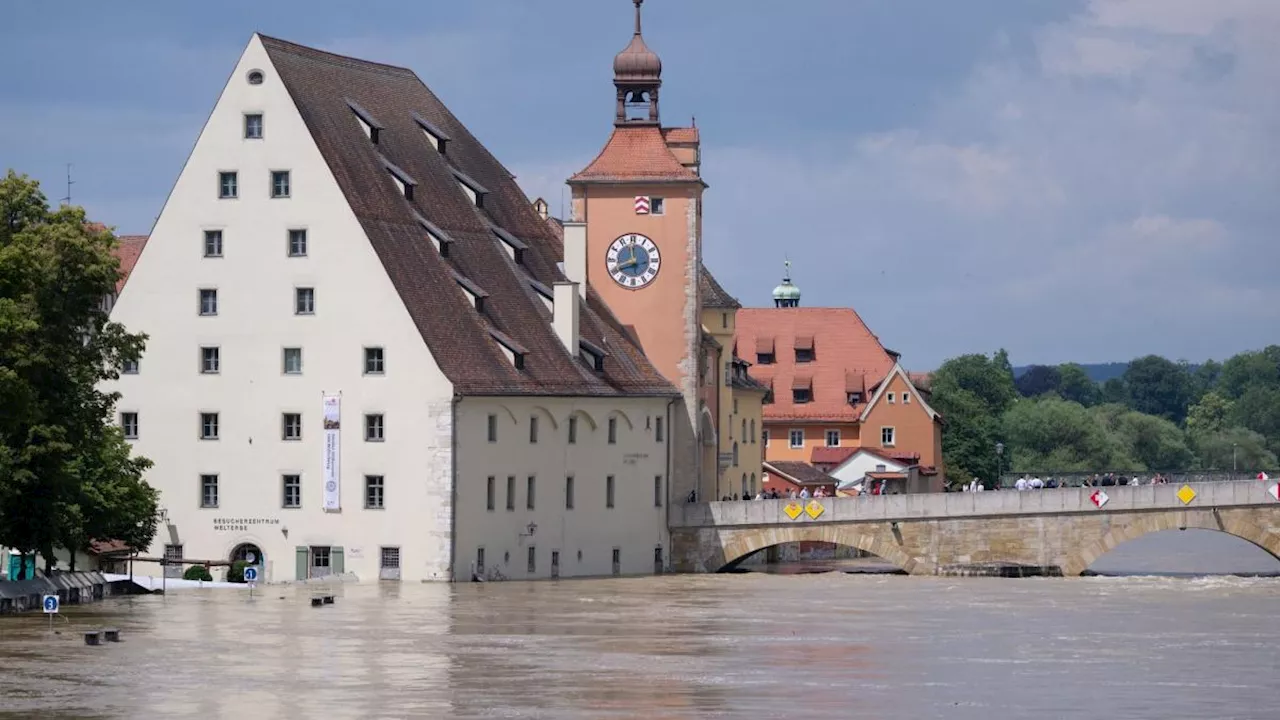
column 1113, row 391
column 1158, row 386
column 1205, row 378
column 1156, row 443
column 65, row 475
column 1038, row 380
column 1074, row 384
column 1250, row 369
column 1210, row 415
column 1050, row 433
column 1258, row 409
column 972, row 392
column 1232, row 448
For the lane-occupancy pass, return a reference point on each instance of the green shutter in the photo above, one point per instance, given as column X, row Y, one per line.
column 304, row 558
column 336, row 560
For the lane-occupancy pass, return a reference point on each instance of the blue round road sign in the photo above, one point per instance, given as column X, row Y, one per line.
column 51, row 603
column 251, row 574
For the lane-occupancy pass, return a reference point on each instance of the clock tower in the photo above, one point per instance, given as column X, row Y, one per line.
column 639, row 206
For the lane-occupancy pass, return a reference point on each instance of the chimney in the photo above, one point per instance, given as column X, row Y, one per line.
column 575, row 255
column 564, row 315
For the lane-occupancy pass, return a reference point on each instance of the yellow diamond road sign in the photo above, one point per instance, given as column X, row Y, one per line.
column 1186, row 494
column 793, row 510
column 814, row 509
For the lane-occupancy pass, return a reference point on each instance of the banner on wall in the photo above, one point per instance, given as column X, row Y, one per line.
column 332, row 453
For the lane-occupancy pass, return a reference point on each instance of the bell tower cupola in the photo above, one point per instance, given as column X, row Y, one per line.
column 786, row 295
column 637, row 74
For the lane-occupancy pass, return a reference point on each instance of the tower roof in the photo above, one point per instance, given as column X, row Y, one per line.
column 637, row 63
column 786, row 291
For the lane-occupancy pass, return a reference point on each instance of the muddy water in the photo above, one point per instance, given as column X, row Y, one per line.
column 728, row 646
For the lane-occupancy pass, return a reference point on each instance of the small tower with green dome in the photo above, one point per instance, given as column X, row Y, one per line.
column 786, row 295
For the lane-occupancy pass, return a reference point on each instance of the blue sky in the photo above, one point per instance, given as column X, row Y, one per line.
column 1073, row 180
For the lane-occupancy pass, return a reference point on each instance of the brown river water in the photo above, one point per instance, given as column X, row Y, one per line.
column 753, row 645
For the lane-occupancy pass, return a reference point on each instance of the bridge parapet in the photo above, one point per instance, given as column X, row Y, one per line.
column 1058, row 501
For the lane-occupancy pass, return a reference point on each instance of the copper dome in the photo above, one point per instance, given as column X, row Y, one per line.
column 637, row 61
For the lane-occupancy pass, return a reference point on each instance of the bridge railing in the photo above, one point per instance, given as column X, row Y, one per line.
column 1074, row 478
column 872, row 508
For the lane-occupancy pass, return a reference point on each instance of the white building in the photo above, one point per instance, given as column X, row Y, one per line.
column 363, row 357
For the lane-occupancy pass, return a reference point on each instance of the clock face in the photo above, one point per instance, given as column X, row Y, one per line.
column 633, row 261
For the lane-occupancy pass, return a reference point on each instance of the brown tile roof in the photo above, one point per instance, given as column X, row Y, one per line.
column 837, row 455
column 801, row 473
column 128, row 251
column 635, row 154
column 461, row 339
column 680, row 135
column 713, row 294
column 846, row 356
column 922, row 380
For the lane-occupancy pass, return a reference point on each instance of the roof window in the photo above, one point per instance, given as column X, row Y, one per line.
column 802, row 390
column 595, row 354
column 402, row 178
column 514, row 246
column 804, row 349
column 438, row 237
column 254, row 77
column 437, row 137
column 514, row 351
column 473, row 189
column 371, row 126
column 474, row 292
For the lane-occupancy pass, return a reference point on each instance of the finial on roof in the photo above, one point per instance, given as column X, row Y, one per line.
column 638, row 4
column 637, row 75
column 786, row 294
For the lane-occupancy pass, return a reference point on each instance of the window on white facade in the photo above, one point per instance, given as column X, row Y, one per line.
column 129, row 424
column 254, row 77
column 887, row 436
column 210, row 360
column 228, row 185
column 573, row 430
column 253, row 126
column 291, row 426
column 617, row 561
column 373, row 428
column 292, row 491
column 659, row 432
column 493, row 428
column 491, row 493
column 609, row 491
column 530, row 488
column 374, row 361
column 293, row 361
column 374, row 489
column 304, row 301
column 752, row 434
column 208, row 491
column 209, row 426
column 568, row 493
column 129, row 367
column 613, row 431
column 533, row 429
column 208, row 301
column 213, row 243
column 280, row 183
column 833, row 438
column 297, row 243
column 657, row 491
column 511, row 493
column 796, row 438
column 533, row 559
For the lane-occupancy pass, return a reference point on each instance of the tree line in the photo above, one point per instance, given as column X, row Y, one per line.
column 1159, row 415
column 67, row 475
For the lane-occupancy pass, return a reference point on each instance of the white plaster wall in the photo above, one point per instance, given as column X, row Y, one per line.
column 356, row 306
column 861, row 463
column 634, row 525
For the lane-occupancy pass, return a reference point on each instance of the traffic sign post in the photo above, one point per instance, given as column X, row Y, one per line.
column 251, row 577
column 50, row 604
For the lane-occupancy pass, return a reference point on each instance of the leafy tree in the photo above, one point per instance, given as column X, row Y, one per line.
column 1205, row 378
column 1154, row 442
column 1114, row 391
column 1232, row 448
column 1074, row 384
column 1038, row 380
column 1210, row 415
column 65, row 475
column 1158, row 386
column 1250, row 369
column 1050, row 433
column 971, row 392
column 1258, row 409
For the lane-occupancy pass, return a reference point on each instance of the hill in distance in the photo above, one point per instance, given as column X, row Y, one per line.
column 1098, row 372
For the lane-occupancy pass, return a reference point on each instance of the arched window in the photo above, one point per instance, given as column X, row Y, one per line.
column 745, row 436
column 255, row 77
column 735, row 453
column 753, row 431
column 745, row 489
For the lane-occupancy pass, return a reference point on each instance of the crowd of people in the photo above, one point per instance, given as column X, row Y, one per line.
column 1034, row 482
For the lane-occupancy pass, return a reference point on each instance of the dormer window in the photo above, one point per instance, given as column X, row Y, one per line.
column 438, row 237
column 514, row 351
column 802, row 390
column 437, row 137
column 371, row 127
column 547, row 294
column 593, row 354
column 764, row 351
column 804, row 349
column 402, row 179
column 473, row 292
column 513, row 245
column 855, row 398
column 764, row 358
column 473, row 189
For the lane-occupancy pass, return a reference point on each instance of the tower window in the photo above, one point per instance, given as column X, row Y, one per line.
column 254, row 77
column 657, row 206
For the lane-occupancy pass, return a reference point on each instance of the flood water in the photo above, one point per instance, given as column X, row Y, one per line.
column 726, row 646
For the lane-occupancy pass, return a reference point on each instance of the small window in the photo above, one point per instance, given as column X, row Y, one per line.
column 659, row 432
column 208, row 302
column 228, row 185
column 889, row 397
column 855, row 398
column 129, row 367
column 804, row 355
column 292, row 491
column 764, row 358
column 735, row 454
column 802, row 395
column 255, row 77
column 213, row 243
column 129, row 424
column 533, row 559
column 833, row 438
column 796, row 438
column 886, row 436
column 533, row 430
column 209, row 426
column 291, row 426
column 304, row 301
column 657, row 206
column 374, row 487
column 491, row 493
column 511, row 493
column 293, row 361
column 253, row 126
column 530, row 488
column 613, row 431
column 657, row 491
column 280, row 183
column 764, row 437
column 617, row 561
column 752, row 434
column 297, row 243
column 608, row 491
column 568, row 493
column 573, row 430
column 480, row 561
column 374, row 361
column 493, row 428
column 906, row 398
column 724, row 320
column 208, row 491
column 745, row 437
column 210, row 360
column 373, row 428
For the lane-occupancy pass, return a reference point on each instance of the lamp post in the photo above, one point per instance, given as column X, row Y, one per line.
column 1234, row 468
column 999, row 453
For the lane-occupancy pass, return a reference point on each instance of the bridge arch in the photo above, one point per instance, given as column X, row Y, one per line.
column 1225, row 521
column 744, row 542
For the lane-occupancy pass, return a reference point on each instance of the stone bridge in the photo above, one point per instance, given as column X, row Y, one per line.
column 1060, row 530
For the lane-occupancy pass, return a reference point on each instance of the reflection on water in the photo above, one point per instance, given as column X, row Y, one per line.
column 739, row 646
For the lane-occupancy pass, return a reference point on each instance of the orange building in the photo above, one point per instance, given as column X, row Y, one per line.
column 833, row 385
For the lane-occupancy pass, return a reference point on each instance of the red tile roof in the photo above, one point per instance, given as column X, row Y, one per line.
column 635, row 154
column 799, row 472
column 832, row 455
column 847, row 356
column 713, row 294
column 128, row 251
column 680, row 135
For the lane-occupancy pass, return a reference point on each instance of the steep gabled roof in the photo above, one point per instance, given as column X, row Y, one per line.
column 635, row 155
column 713, row 294
column 460, row 338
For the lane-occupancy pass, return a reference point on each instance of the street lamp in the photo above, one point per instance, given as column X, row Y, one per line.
column 999, row 452
column 1234, row 468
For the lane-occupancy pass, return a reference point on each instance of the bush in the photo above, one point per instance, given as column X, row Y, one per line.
column 197, row 572
column 235, row 573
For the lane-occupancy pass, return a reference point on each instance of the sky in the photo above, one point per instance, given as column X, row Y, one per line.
column 1072, row 180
